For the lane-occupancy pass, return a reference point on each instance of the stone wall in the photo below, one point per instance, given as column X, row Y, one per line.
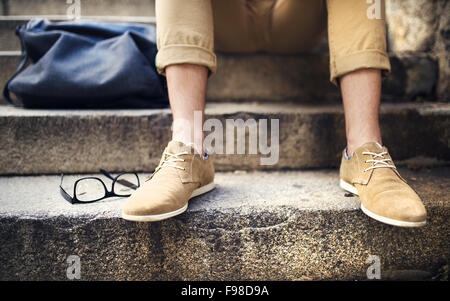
column 418, row 28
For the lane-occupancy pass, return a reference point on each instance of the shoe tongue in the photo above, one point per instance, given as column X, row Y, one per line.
column 175, row 147
column 371, row 147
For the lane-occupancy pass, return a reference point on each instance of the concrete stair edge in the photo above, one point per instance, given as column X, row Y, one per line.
column 284, row 226
column 81, row 141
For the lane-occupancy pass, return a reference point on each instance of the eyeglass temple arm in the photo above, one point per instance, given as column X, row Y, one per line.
column 121, row 181
column 127, row 183
column 107, row 174
column 65, row 195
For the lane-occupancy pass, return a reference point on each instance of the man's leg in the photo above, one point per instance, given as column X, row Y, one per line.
column 367, row 168
column 186, row 31
column 185, row 55
column 187, row 91
column 185, row 38
column 357, row 40
column 361, row 92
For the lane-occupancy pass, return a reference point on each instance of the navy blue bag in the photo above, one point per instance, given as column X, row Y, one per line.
column 87, row 64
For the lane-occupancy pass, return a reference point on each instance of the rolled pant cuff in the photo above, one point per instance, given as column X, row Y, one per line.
column 367, row 59
column 185, row 54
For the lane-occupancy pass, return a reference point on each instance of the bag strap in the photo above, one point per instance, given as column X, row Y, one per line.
column 22, row 63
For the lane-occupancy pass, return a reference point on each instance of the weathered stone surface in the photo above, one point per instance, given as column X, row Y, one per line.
column 54, row 141
column 253, row 226
column 407, row 275
column 442, row 50
column 411, row 24
column 411, row 76
column 8, row 62
column 88, row 8
column 8, row 40
column 303, row 78
column 422, row 27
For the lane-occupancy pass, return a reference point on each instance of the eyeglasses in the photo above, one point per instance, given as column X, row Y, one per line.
column 93, row 189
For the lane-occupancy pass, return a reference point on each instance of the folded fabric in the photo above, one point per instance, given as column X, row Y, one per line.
column 87, row 64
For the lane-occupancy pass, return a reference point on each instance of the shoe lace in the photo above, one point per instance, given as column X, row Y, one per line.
column 169, row 161
column 378, row 163
column 171, row 158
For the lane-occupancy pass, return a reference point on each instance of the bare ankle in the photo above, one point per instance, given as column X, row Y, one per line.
column 355, row 144
column 189, row 138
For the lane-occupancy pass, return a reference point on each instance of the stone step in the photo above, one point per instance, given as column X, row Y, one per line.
column 310, row 136
column 290, row 225
column 299, row 78
column 89, row 8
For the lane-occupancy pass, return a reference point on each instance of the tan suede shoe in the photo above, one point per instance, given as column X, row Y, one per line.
column 181, row 175
column 384, row 194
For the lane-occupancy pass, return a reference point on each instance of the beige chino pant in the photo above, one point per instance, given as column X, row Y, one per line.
column 189, row 31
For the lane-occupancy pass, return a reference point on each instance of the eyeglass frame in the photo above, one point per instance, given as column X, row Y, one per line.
column 74, row 200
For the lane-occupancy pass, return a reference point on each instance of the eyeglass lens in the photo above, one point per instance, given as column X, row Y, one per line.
column 89, row 190
column 126, row 184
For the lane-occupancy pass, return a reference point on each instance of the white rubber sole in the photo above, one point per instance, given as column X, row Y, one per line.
column 160, row 217
column 393, row 222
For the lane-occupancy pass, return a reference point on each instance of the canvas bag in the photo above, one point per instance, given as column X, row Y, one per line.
column 87, row 63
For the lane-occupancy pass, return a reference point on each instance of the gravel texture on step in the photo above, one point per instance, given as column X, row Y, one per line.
column 253, row 226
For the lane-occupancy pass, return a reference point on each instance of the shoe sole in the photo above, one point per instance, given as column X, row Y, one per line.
column 393, row 222
column 163, row 216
